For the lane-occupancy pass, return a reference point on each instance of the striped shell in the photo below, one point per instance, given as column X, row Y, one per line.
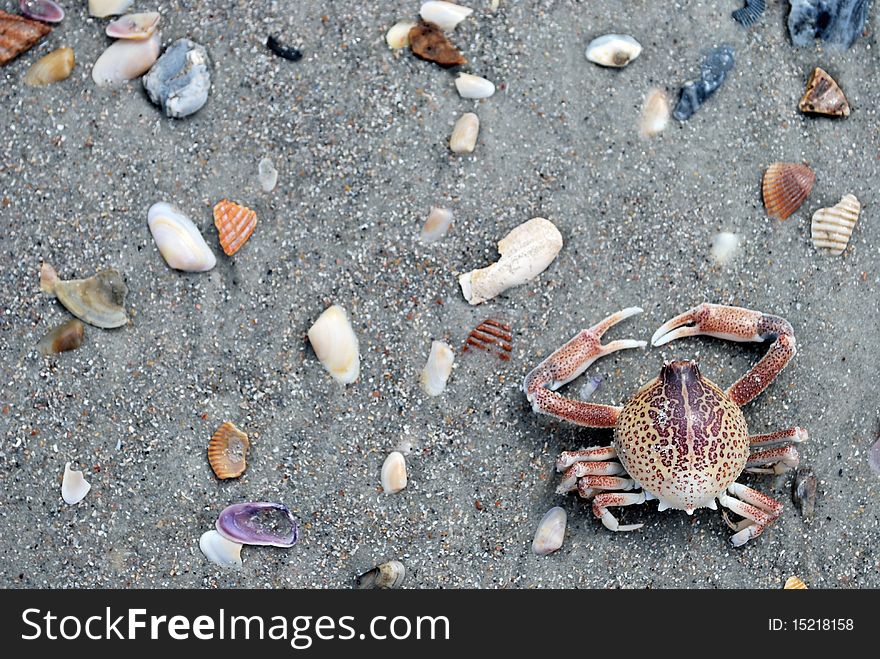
column 786, row 186
column 832, row 227
column 235, row 224
column 794, row 583
column 18, row 34
column 227, row 451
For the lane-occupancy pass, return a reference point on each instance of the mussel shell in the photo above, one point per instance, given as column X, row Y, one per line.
column 785, row 187
column 385, row 576
column 245, row 523
column 64, row 337
column 227, row 451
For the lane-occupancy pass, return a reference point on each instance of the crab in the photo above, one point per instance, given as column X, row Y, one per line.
column 680, row 439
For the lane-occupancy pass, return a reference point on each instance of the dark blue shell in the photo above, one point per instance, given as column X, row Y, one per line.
column 713, row 72
column 837, row 22
column 749, row 15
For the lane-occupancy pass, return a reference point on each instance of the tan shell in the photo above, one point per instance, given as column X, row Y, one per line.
column 18, row 34
column 655, row 113
column 227, row 451
column 832, row 227
column 97, row 300
column 428, row 42
column 824, row 96
column 785, row 187
column 794, row 583
column 64, row 337
column 54, row 67
column 235, row 224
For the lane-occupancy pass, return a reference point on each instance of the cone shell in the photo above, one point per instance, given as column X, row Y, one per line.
column 54, row 67
column 18, row 34
column 832, row 227
column 785, row 187
column 794, row 583
column 235, row 224
column 824, row 96
column 227, row 451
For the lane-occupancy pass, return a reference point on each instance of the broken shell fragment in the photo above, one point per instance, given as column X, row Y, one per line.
column 41, row 10
column 385, row 576
column 832, row 228
column 525, row 253
column 394, row 473
column 824, row 96
column 219, row 550
column 64, row 337
column 724, row 247
column 227, row 451
column 54, row 67
column 785, row 187
column 97, row 300
column 125, row 60
column 492, row 336
column 655, row 113
column 267, row 175
column 464, row 134
column 134, row 26
column 180, row 80
column 446, row 15
column 750, row 13
column 259, row 523
column 102, row 8
column 428, row 42
column 803, row 491
column 18, row 34
column 179, row 240
column 471, row 86
column 794, row 583
column 437, row 369
column 614, row 50
column 397, row 36
column 235, row 224
column 74, row 487
column 550, row 532
column 874, row 457
column 437, row 225
column 713, row 72
column 836, row 22
column 336, row 345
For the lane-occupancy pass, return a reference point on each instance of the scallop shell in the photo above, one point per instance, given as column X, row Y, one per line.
column 655, row 113
column 336, row 345
column 824, row 96
column 67, row 336
column 102, row 8
column 41, row 10
column 219, row 550
column 525, row 253
column 97, row 300
column 437, row 369
column 397, row 36
column 614, row 50
column 831, row 228
column 134, row 26
column 437, row 225
column 385, row 576
column 125, row 60
column 464, row 134
column 428, row 42
column 550, row 532
column 74, row 487
column 18, row 34
column 471, row 86
column 50, row 68
column 446, row 15
column 227, row 451
column 394, row 473
column 235, row 224
column 179, row 240
column 794, row 583
column 785, row 187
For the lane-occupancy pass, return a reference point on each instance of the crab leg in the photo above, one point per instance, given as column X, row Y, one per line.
column 754, row 506
column 596, row 453
column 588, row 486
column 782, row 458
column 737, row 324
column 779, row 438
column 581, row 469
column 607, row 499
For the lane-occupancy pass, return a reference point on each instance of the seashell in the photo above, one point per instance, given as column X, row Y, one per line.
column 397, row 36
column 219, row 550
column 125, row 60
column 235, row 224
column 750, row 13
column 464, row 134
column 74, row 487
column 180, row 80
column 655, row 113
column 134, row 26
column 874, row 457
column 614, row 50
column 437, row 225
column 179, row 240
column 525, row 253
column 445, row 15
column 227, row 451
column 41, row 10
column 724, row 247
column 18, row 34
column 336, row 345
column 437, row 369
column 428, row 42
column 550, row 532
column 259, row 523
column 471, row 86
column 490, row 336
column 267, row 174
column 64, row 337
column 713, row 72
column 97, row 300
column 590, row 387
column 284, row 52
column 102, row 8
column 54, row 67
column 837, row 22
column 385, row 576
column 803, row 491
column 824, row 96
column 785, row 187
column 394, row 473
column 794, row 583
column 832, row 227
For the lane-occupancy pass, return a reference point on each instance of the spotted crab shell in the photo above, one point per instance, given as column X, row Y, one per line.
column 785, row 187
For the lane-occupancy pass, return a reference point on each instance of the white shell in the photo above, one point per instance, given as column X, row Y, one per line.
column 724, row 247
column 525, row 253
column 471, row 86
column 268, row 175
column 831, row 228
column 336, row 345
column 394, row 473
column 437, row 369
column 615, row 50
column 550, row 532
column 397, row 36
column 125, row 59
column 446, row 15
column 655, row 113
column 464, row 133
column 437, row 225
column 179, row 240
column 101, row 8
column 74, row 487
column 219, row 550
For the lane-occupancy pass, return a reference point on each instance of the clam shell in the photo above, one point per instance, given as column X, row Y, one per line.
column 336, row 345
column 18, row 34
column 437, row 369
column 831, row 228
column 394, row 473
column 785, row 187
column 41, row 10
column 134, row 26
column 235, row 224
column 550, row 532
column 655, row 113
column 471, row 86
column 259, row 523
column 64, row 337
column 397, row 36
column 794, row 583
column 219, row 550
column 437, row 225
column 97, row 300
column 446, row 15
column 428, row 42
column 464, row 134
column 525, row 253
column 824, row 96
column 125, row 60
column 102, row 8
column 614, row 50
column 179, row 240
column 227, row 451
column 74, row 487
column 50, row 68
column 385, row 576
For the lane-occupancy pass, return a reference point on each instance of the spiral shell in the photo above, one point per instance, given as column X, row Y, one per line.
column 235, row 224
column 227, row 451
column 785, row 187
column 832, row 227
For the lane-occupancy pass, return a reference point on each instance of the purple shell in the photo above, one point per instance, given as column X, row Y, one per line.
column 258, row 523
column 41, row 10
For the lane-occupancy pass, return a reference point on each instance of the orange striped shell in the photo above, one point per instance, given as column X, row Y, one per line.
column 786, row 186
column 794, row 583
column 235, row 224
column 18, row 34
column 227, row 451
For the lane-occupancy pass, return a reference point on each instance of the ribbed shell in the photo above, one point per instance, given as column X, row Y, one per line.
column 227, row 451
column 832, row 227
column 794, row 583
column 235, row 224
column 18, row 34
column 786, row 186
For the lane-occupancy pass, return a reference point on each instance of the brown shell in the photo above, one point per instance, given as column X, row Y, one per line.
column 794, row 583
column 824, row 96
column 429, row 42
column 64, row 337
column 235, row 224
column 18, row 34
column 786, row 186
column 227, row 451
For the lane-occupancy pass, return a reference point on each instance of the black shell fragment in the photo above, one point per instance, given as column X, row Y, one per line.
column 836, row 22
column 287, row 52
column 749, row 15
column 713, row 72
